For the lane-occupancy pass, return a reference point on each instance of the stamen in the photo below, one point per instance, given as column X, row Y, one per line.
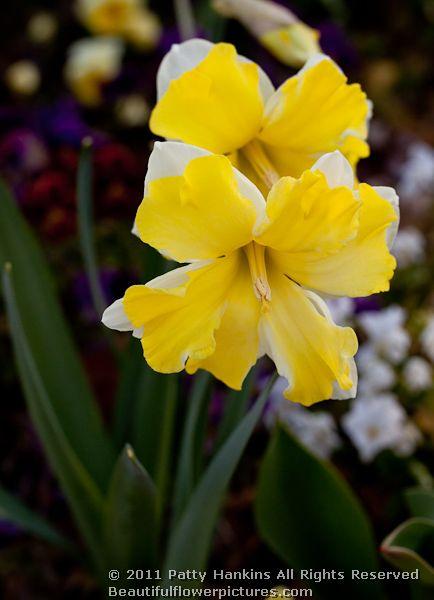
column 256, row 257
column 255, row 154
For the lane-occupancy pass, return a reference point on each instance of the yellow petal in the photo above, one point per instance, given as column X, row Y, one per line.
column 180, row 311
column 198, row 215
column 307, row 215
column 364, row 266
column 312, row 113
column 237, row 338
column 216, row 105
column 308, row 349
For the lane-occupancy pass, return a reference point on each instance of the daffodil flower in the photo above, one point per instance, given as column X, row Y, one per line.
column 255, row 269
column 211, row 97
column 92, row 63
column 129, row 19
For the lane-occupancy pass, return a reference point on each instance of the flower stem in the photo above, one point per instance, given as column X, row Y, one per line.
column 185, row 19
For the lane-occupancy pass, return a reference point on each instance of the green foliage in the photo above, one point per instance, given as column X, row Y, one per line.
column 85, row 225
column 130, row 523
column 411, row 544
column 84, row 497
column 50, row 345
column 191, row 538
column 14, row 511
column 309, row 516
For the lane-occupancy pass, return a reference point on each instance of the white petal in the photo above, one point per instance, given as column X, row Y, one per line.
column 170, row 159
column 336, row 169
column 180, row 58
column 391, row 196
column 184, row 57
column 115, row 317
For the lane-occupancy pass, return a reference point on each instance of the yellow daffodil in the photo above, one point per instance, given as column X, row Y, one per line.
column 213, row 98
column 255, row 269
column 91, row 63
column 276, row 27
column 129, row 19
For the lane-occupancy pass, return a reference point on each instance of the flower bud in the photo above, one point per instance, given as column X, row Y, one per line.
column 276, row 27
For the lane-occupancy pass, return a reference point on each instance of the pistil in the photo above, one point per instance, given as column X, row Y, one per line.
column 256, row 258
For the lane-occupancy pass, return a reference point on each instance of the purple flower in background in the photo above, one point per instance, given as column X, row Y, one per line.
column 62, row 123
column 336, row 44
column 23, row 149
column 367, row 304
column 111, row 280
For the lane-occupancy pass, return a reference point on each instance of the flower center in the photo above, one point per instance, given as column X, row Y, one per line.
column 256, row 259
column 255, row 154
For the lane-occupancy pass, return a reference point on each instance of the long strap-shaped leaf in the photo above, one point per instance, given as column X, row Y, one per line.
column 191, row 540
column 83, row 495
column 14, row 511
column 50, row 342
column 185, row 476
column 236, row 404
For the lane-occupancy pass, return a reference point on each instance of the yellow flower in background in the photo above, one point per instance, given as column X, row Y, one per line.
column 255, row 269
column 90, row 64
column 23, row 77
column 211, row 97
column 276, row 27
column 129, row 19
column 294, row 44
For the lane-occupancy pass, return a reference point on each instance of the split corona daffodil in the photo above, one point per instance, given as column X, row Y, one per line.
column 211, row 97
column 255, row 269
column 129, row 19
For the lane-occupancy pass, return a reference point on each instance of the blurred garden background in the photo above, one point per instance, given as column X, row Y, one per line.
column 50, row 101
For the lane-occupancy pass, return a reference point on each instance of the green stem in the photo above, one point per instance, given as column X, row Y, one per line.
column 85, row 225
column 185, row 19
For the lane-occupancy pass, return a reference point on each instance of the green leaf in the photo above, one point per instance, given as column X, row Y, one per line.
column 211, row 21
column 130, row 530
column 186, row 475
column 191, row 539
column 127, row 394
column 420, row 502
column 83, row 495
column 50, row 343
column 85, row 225
column 236, row 404
column 411, row 546
column 14, row 511
column 154, row 420
column 309, row 516
column 133, row 367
